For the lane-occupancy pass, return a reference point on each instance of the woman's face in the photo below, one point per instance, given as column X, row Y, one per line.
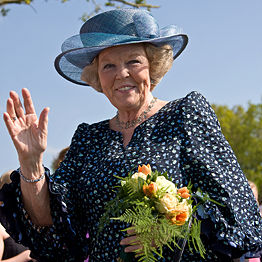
column 124, row 76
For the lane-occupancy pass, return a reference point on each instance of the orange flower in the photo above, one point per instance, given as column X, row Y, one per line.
column 182, row 217
column 184, row 192
column 179, row 219
column 185, row 195
column 180, row 213
column 145, row 189
column 146, row 169
column 150, row 190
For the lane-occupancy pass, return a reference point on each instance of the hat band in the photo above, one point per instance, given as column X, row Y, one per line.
column 104, row 39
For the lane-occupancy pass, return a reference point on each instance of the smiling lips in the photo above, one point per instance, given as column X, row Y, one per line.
column 125, row 88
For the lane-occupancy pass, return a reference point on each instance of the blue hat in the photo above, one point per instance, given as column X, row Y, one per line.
column 113, row 28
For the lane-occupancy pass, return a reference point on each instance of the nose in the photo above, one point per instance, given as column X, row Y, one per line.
column 122, row 72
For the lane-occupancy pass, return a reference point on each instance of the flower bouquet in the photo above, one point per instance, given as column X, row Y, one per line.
column 160, row 213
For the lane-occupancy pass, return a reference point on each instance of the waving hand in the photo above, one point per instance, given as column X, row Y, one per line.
column 29, row 134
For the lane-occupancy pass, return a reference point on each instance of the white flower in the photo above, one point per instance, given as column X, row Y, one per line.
column 166, row 185
column 139, row 174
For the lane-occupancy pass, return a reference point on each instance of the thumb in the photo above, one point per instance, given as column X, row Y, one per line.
column 43, row 119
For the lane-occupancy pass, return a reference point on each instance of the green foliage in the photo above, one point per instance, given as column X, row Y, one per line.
column 132, row 206
column 116, row 4
column 4, row 11
column 243, row 130
column 194, row 238
column 152, row 227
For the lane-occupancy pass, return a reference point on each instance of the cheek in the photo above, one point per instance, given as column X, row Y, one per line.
column 105, row 80
column 101, row 77
column 144, row 78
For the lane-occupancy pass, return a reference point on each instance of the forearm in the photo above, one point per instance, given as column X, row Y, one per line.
column 22, row 257
column 36, row 195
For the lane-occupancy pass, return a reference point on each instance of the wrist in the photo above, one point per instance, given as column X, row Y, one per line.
column 31, row 180
column 31, row 171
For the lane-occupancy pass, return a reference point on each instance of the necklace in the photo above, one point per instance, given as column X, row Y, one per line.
column 143, row 116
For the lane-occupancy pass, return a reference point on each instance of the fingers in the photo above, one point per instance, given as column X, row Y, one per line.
column 15, row 113
column 134, row 248
column 131, row 243
column 10, row 108
column 17, row 105
column 43, row 119
column 128, row 240
column 9, row 124
column 14, row 105
column 131, row 239
column 131, row 231
column 28, row 103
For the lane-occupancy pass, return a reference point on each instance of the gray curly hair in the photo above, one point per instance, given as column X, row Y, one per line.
column 160, row 61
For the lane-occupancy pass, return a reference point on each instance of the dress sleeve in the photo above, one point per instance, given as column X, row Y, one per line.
column 66, row 239
column 235, row 229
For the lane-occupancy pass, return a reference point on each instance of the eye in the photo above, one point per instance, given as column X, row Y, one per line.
column 108, row 66
column 134, row 61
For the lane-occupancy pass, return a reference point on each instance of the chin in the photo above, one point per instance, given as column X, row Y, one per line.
column 127, row 104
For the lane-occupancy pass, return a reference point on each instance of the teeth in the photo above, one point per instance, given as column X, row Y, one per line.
column 125, row 88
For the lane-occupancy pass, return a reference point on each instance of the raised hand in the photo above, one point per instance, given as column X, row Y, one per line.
column 28, row 133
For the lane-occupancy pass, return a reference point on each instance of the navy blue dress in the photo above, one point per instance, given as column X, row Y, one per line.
column 183, row 138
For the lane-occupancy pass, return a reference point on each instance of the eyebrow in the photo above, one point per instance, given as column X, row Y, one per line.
column 133, row 54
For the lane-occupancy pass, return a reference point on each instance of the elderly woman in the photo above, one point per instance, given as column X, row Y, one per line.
column 123, row 54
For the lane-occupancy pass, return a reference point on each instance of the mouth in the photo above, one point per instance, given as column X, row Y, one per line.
column 125, row 88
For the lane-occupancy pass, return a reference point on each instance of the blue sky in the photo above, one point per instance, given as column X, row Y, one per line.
column 223, row 61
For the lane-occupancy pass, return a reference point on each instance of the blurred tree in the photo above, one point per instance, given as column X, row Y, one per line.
column 243, row 130
column 97, row 7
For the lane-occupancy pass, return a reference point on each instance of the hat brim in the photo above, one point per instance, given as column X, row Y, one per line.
column 70, row 63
